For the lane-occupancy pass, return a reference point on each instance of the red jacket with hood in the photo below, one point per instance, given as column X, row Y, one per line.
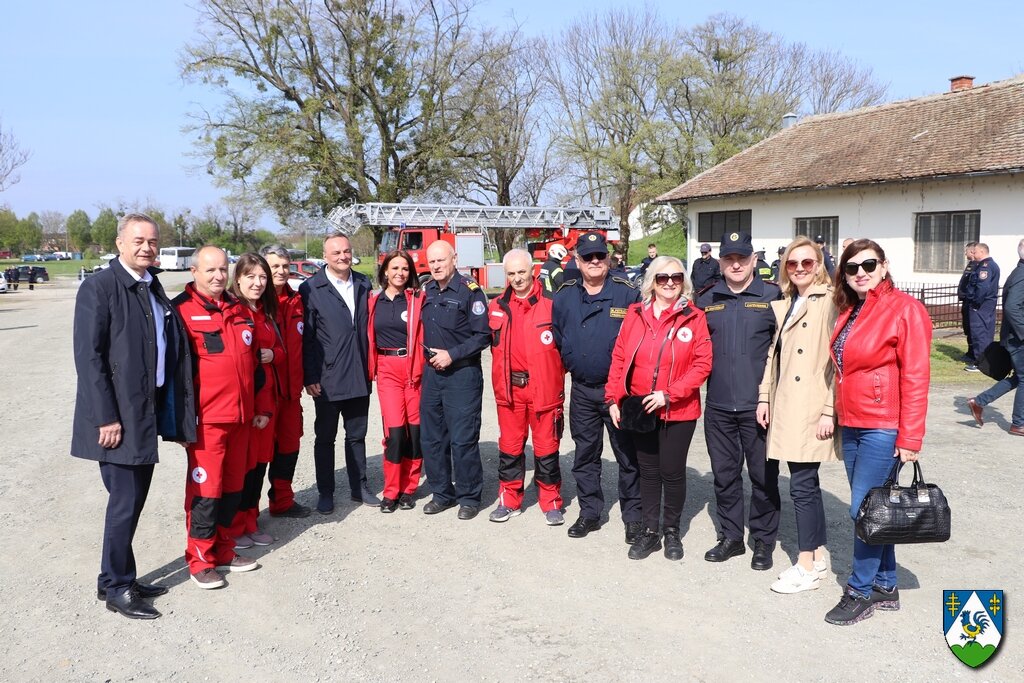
column 289, row 323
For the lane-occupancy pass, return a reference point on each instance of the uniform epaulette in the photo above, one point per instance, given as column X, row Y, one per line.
column 472, row 285
column 624, row 281
column 567, row 283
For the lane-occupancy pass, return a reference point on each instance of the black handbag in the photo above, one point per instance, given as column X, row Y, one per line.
column 632, row 416
column 891, row 513
column 995, row 361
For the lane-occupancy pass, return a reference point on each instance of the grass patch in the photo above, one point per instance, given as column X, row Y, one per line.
column 670, row 241
column 947, row 368
column 54, row 268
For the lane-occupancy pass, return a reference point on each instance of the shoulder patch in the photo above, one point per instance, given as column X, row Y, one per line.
column 982, row 274
column 624, row 281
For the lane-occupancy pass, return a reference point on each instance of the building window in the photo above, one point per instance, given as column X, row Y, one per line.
column 711, row 225
column 939, row 240
column 826, row 226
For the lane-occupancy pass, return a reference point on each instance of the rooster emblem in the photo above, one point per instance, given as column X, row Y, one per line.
column 975, row 629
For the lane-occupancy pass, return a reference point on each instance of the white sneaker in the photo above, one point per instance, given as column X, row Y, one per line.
column 796, row 579
column 819, row 566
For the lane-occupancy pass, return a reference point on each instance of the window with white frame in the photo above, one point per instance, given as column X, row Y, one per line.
column 939, row 239
column 825, row 226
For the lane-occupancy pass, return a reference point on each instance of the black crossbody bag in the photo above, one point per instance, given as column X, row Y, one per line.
column 633, row 417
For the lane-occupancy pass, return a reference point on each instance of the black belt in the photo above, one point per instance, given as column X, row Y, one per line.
column 519, row 379
column 401, row 353
column 590, row 385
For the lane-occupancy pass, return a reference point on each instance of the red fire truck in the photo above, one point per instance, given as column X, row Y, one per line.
column 414, row 227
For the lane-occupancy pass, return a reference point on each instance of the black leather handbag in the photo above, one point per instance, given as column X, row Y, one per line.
column 995, row 361
column 632, row 416
column 891, row 513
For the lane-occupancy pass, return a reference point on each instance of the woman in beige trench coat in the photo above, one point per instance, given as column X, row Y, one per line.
column 795, row 402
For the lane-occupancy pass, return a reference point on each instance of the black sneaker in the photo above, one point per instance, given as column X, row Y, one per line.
column 406, row 502
column 633, row 530
column 888, row 601
column 388, row 505
column 673, row 546
column 851, row 609
column 648, row 542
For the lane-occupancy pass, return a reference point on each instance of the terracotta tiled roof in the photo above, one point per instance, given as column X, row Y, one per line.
column 980, row 130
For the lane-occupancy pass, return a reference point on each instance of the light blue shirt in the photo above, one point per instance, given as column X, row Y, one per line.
column 158, row 323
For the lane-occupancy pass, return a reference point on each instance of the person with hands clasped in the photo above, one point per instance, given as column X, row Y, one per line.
column 663, row 353
column 795, row 401
column 880, row 347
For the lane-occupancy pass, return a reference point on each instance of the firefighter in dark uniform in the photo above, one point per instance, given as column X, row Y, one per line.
column 551, row 275
column 961, row 295
column 981, row 296
column 775, row 265
column 739, row 315
column 586, row 317
column 705, row 269
column 764, row 271
column 455, row 331
column 828, row 259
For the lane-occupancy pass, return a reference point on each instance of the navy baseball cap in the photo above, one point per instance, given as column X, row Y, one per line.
column 735, row 243
column 591, row 243
column 705, row 248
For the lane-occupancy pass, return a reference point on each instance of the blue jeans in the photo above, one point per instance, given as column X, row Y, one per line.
column 1008, row 384
column 868, row 456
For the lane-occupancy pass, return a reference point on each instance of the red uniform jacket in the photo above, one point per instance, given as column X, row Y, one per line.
column 268, row 392
column 289, row 323
column 224, row 355
column 547, row 375
column 886, row 366
column 413, row 331
column 685, row 362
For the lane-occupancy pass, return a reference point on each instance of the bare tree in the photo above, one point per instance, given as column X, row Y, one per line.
column 12, row 157
column 834, row 83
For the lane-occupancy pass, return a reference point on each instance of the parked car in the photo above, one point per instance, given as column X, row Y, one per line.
column 296, row 279
column 30, row 258
column 50, row 257
column 306, row 268
column 107, row 258
column 42, row 275
column 3, row 283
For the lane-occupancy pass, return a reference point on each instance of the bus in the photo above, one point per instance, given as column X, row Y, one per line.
column 176, row 258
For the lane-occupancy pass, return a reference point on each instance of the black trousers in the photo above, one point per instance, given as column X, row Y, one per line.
column 588, row 420
column 734, row 438
column 965, row 321
column 450, row 414
column 127, row 486
column 661, row 455
column 805, row 490
column 354, row 412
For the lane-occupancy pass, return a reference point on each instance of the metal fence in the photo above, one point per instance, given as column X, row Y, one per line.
column 941, row 302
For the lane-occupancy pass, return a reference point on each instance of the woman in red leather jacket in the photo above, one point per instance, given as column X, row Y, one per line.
column 880, row 347
column 663, row 353
column 396, row 362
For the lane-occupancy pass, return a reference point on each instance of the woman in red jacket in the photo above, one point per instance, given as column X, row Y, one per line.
column 663, row 353
column 396, row 362
column 252, row 285
column 880, row 348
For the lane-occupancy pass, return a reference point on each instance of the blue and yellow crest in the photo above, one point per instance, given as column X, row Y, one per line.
column 973, row 623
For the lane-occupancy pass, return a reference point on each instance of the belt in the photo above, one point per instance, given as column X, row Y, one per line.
column 519, row 379
column 401, row 353
column 591, row 385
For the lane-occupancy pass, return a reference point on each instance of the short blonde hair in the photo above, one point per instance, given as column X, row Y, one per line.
column 821, row 277
column 647, row 288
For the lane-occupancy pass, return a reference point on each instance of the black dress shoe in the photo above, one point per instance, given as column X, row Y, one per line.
column 762, row 557
column 648, row 542
column 130, row 604
column 584, row 526
column 673, row 546
column 725, row 549
column 434, row 507
column 633, row 531
column 468, row 512
column 388, row 504
column 145, row 590
column 406, row 502
column 296, row 511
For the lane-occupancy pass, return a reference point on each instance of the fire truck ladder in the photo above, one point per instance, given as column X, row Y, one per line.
column 348, row 219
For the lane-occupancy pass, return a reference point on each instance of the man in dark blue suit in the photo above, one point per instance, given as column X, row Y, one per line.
column 134, row 384
column 334, row 361
column 981, row 296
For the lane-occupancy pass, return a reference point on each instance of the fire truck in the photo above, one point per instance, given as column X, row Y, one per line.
column 414, row 227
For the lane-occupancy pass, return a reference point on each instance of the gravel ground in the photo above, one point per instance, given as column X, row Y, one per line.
column 361, row 595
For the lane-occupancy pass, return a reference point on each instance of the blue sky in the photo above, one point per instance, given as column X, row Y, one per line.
column 93, row 88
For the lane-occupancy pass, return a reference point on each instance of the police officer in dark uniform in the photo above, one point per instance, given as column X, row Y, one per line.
column 764, row 271
column 828, row 259
column 740, row 318
column 965, row 309
column 551, row 275
column 586, row 316
column 455, row 331
column 776, row 264
column 705, row 269
column 981, row 297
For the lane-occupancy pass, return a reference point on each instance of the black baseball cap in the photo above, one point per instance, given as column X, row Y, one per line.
column 591, row 243
column 819, row 240
column 735, row 243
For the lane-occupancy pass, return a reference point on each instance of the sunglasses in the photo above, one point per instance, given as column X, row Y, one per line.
column 806, row 264
column 869, row 266
column 663, row 278
column 594, row 257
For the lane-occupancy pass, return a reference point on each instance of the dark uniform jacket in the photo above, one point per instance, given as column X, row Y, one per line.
column 742, row 327
column 551, row 276
column 983, row 285
column 115, row 355
column 704, row 272
column 586, row 326
column 335, row 346
column 961, row 289
column 455, row 319
column 1012, row 330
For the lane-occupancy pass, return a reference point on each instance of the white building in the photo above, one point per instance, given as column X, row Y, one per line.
column 921, row 177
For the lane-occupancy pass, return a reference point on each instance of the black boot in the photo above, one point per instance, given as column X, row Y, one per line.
column 673, row 546
column 648, row 542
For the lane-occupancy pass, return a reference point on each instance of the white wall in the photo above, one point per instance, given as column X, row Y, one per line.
column 884, row 213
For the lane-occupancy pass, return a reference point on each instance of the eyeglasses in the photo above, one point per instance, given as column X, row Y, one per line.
column 806, row 264
column 663, row 278
column 869, row 266
column 594, row 257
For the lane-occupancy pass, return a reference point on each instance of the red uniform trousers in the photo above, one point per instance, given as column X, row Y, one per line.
column 213, row 489
column 261, row 452
column 287, row 434
column 400, row 412
column 514, row 422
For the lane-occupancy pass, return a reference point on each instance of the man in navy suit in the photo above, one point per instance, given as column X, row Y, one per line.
column 334, row 360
